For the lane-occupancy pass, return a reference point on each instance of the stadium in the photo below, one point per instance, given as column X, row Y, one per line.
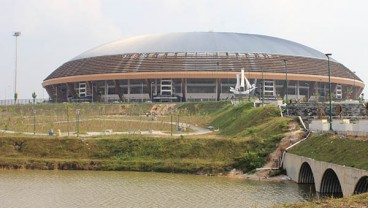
column 200, row 66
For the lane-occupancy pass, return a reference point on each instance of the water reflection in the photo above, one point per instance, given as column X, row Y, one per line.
column 133, row 189
column 307, row 191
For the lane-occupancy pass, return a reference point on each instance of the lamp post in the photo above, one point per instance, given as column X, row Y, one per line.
column 287, row 86
column 152, row 91
column 329, row 87
column 16, row 34
column 92, row 92
column 178, row 119
column 142, row 91
column 34, row 121
column 171, row 124
column 67, row 117
column 263, row 89
column 308, row 91
column 56, row 94
column 77, row 112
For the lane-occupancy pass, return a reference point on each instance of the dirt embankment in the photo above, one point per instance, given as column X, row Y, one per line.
column 270, row 170
column 162, row 109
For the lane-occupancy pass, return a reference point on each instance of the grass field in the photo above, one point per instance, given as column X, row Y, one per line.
column 98, row 117
column 247, row 135
column 356, row 201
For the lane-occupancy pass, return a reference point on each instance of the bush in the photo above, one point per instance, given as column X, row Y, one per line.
column 248, row 161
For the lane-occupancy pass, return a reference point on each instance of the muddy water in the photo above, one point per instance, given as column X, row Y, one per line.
column 132, row 189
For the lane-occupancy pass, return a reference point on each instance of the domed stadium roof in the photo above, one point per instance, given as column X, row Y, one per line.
column 203, row 42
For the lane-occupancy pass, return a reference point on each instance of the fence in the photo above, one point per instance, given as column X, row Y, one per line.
column 23, row 101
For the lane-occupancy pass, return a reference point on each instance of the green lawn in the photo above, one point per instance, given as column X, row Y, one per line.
column 335, row 149
column 356, row 201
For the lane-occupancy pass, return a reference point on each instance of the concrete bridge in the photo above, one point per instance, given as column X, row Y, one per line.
column 329, row 179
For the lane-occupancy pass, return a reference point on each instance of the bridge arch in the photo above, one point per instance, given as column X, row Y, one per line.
column 362, row 185
column 305, row 174
column 330, row 184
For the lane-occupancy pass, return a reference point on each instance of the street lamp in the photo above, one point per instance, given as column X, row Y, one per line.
column 34, row 121
column 142, row 92
column 287, row 86
column 171, row 124
column 67, row 117
column 92, row 91
column 152, row 91
column 263, row 87
column 16, row 34
column 329, row 87
column 308, row 91
column 77, row 113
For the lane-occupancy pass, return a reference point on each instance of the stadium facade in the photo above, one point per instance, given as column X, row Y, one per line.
column 199, row 66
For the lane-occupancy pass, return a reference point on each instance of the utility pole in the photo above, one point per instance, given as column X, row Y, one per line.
column 16, row 35
column 287, row 87
column 263, row 89
column 34, row 121
column 77, row 112
column 329, row 87
column 171, row 124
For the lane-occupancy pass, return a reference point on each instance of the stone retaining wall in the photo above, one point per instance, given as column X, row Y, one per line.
column 311, row 111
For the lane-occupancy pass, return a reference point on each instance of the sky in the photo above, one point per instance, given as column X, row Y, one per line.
column 55, row 31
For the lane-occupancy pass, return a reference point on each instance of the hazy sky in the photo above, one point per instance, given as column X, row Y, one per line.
column 55, row 31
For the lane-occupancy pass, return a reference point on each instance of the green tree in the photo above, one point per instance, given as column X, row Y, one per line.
column 34, row 96
column 349, row 93
column 15, row 97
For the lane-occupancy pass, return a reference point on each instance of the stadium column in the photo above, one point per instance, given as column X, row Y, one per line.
column 128, row 90
column 184, row 89
column 90, row 88
column 359, row 91
column 333, row 88
column 149, row 88
column 71, row 90
column 297, row 90
column 95, row 95
column 118, row 90
column 312, row 87
column 282, row 93
column 218, row 89
column 106, row 91
column 50, row 91
column 59, row 95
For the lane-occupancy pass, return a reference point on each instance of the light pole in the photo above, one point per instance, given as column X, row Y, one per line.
column 77, row 112
column 171, row 124
column 308, row 91
column 287, row 87
column 92, row 92
column 142, row 92
column 16, row 34
column 178, row 119
column 263, row 89
column 152, row 91
column 67, row 117
column 329, row 87
column 34, row 121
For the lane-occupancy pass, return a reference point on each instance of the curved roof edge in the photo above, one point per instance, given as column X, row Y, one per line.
column 203, row 42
